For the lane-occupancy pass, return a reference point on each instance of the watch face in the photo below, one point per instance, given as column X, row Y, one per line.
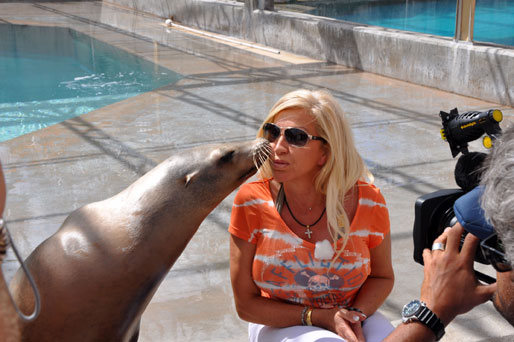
column 411, row 308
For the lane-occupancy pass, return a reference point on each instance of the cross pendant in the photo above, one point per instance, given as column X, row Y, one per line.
column 308, row 232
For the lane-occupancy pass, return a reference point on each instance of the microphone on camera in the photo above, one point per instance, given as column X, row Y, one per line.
column 469, row 169
column 470, row 214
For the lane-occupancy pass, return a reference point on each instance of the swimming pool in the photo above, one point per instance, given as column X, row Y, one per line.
column 50, row 74
column 494, row 19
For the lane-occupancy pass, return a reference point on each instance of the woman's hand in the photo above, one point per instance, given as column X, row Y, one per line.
column 348, row 325
column 345, row 323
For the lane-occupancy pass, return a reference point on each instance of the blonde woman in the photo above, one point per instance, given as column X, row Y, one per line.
column 310, row 249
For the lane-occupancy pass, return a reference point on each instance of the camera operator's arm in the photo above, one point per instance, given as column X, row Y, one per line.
column 449, row 287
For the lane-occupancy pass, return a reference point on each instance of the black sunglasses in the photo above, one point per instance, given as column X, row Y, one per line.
column 294, row 136
column 493, row 251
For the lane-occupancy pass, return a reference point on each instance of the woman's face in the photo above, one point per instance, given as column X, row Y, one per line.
column 289, row 162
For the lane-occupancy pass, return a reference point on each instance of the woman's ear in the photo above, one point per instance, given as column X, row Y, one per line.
column 324, row 155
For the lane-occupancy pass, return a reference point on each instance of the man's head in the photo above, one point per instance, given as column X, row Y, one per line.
column 498, row 205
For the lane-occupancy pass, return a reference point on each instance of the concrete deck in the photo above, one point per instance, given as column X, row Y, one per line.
column 224, row 97
column 480, row 70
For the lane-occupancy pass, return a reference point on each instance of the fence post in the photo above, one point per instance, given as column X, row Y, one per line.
column 464, row 20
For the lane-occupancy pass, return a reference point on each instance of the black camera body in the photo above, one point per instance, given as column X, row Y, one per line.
column 433, row 212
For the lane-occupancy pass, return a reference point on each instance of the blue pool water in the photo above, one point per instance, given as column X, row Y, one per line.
column 494, row 19
column 50, row 74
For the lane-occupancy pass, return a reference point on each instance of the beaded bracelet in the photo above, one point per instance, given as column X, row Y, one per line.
column 303, row 315
column 357, row 310
column 350, row 308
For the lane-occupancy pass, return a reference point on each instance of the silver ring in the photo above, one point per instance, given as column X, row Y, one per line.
column 438, row 246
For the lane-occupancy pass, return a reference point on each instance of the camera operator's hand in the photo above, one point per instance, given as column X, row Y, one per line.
column 450, row 287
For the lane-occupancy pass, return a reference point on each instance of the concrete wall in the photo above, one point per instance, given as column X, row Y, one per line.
column 477, row 70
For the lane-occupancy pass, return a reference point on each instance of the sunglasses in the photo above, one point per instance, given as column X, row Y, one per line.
column 294, row 136
column 493, row 251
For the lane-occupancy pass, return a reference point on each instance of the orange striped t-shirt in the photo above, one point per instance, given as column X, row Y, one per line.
column 288, row 268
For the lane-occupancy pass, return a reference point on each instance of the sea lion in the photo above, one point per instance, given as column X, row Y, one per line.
column 99, row 271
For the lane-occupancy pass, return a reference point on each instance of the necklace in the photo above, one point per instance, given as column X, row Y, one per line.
column 308, row 231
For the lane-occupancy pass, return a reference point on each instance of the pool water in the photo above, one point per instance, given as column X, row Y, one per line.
column 494, row 19
column 50, row 74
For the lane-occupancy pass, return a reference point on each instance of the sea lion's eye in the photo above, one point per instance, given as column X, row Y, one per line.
column 227, row 157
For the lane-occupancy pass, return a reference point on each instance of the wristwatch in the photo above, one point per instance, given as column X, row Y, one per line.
column 417, row 311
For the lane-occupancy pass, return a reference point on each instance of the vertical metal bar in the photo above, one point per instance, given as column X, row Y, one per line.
column 471, row 19
column 458, row 19
column 464, row 22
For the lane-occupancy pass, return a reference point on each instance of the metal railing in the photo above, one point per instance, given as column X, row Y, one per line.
column 464, row 21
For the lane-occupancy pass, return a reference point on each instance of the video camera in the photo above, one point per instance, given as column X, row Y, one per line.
column 435, row 211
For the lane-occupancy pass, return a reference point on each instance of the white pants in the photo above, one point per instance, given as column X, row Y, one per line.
column 375, row 329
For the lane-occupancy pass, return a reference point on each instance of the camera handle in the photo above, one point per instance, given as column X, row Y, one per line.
column 484, row 277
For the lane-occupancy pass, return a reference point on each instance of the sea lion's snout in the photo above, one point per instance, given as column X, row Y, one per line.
column 261, row 152
column 234, row 162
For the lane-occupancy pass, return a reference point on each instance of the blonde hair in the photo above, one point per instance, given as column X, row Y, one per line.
column 344, row 165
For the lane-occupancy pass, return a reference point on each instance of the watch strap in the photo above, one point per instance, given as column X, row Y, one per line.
column 427, row 317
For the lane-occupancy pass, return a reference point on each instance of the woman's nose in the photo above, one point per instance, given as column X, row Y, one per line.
column 280, row 143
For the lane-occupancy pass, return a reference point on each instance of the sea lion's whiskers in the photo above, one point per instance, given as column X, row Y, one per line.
column 260, row 154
